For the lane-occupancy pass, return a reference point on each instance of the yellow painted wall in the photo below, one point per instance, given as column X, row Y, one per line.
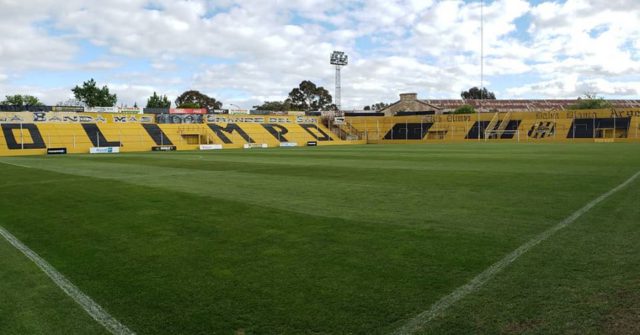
column 32, row 133
column 132, row 135
column 532, row 127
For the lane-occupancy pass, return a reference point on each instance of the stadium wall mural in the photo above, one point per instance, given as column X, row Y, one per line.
column 616, row 125
column 34, row 133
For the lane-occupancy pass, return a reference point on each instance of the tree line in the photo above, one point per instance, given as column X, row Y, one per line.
column 90, row 95
column 306, row 97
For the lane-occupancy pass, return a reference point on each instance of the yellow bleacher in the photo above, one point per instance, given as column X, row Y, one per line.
column 26, row 133
column 552, row 126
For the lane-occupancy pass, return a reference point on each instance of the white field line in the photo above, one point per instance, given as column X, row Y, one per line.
column 181, row 172
column 91, row 307
column 14, row 164
column 43, row 182
column 421, row 320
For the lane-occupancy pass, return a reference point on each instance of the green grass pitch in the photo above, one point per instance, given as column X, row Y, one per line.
column 327, row 240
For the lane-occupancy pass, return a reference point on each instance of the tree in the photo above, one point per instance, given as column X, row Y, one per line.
column 195, row 99
column 379, row 106
column 93, row 96
column 156, row 101
column 590, row 101
column 190, row 105
column 476, row 93
column 307, row 96
column 464, row 109
column 275, row 106
column 21, row 100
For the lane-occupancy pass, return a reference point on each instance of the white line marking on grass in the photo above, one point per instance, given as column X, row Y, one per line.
column 14, row 164
column 90, row 306
column 421, row 320
column 42, row 182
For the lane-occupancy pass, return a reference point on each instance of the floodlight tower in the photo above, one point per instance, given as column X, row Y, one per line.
column 481, row 50
column 339, row 59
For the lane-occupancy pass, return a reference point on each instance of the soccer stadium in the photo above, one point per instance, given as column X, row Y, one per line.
column 452, row 213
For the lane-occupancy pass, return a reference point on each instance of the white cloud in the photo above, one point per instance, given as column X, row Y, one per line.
column 571, row 87
column 101, row 65
column 24, row 45
column 131, row 94
column 47, row 95
column 249, row 51
column 588, row 38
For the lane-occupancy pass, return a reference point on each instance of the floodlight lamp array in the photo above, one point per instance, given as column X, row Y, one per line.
column 339, row 58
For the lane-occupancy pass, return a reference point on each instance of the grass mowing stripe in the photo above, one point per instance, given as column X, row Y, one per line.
column 43, row 182
column 91, row 307
column 16, row 165
column 417, row 323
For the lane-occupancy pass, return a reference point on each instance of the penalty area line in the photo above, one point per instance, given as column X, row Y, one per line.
column 15, row 164
column 91, row 307
column 421, row 320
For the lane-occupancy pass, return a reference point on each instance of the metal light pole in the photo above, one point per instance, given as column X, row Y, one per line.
column 339, row 59
column 481, row 50
column 481, row 63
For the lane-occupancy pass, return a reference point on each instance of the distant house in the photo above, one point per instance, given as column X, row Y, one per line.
column 409, row 104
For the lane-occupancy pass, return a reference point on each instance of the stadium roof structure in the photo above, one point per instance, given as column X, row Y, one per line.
column 512, row 105
column 410, row 102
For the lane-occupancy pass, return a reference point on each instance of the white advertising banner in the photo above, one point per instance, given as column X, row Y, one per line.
column 255, row 145
column 102, row 109
column 104, row 150
column 130, row 110
column 238, row 111
column 289, row 144
column 210, row 146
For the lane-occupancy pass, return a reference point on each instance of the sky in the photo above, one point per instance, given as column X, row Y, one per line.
column 245, row 52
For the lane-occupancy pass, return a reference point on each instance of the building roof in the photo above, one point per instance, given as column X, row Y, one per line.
column 519, row 105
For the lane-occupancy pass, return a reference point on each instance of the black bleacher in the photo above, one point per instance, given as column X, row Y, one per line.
column 408, row 131
column 586, row 128
column 363, row 114
column 156, row 110
column 96, row 136
column 415, row 113
column 158, row 136
column 477, row 130
column 11, row 108
column 473, row 132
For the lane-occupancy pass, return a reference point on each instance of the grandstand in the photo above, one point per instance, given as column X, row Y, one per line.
column 619, row 125
column 33, row 133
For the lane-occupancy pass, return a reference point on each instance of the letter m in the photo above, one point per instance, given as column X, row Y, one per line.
column 222, row 132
